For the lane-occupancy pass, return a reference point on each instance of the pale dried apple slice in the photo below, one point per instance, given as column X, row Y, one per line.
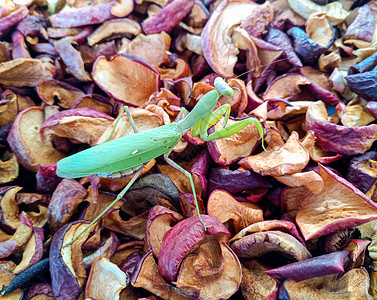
column 26, row 143
column 277, row 160
column 219, row 51
column 226, row 208
column 339, row 206
column 105, row 280
column 126, row 78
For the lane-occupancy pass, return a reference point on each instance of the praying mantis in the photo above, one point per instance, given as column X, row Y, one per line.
column 128, row 154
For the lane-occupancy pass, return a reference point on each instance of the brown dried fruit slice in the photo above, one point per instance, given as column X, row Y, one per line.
column 85, row 125
column 219, row 51
column 228, row 150
column 117, row 27
column 105, row 280
column 287, row 87
column 212, row 270
column 256, row 285
column 66, row 94
column 148, row 277
column 9, row 167
column 339, row 206
column 290, row 158
column 24, row 72
column 160, row 221
column 369, row 230
column 26, row 143
column 311, row 180
column 226, row 208
column 6, row 278
column 126, row 80
column 353, row 285
column 355, row 116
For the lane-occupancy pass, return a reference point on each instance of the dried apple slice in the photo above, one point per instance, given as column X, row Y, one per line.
column 63, row 277
column 281, row 225
column 339, row 206
column 105, row 280
column 85, row 125
column 33, row 251
column 148, row 277
column 183, row 237
column 235, row 181
column 311, row 180
column 25, row 142
column 219, row 51
column 290, row 158
column 9, row 167
column 228, row 150
column 40, row 290
column 226, row 208
column 6, row 278
column 353, row 285
column 64, row 202
column 126, row 78
column 168, row 17
column 24, row 72
column 326, row 264
column 212, row 270
column 117, row 26
column 66, row 94
column 337, row 138
column 160, row 221
column 88, row 15
column 256, row 285
column 260, row 243
column 369, row 230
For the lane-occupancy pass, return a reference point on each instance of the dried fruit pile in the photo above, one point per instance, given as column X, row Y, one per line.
column 297, row 220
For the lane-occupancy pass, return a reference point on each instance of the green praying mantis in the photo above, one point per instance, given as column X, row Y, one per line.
column 128, row 154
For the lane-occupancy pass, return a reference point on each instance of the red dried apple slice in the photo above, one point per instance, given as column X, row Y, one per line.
column 339, row 206
column 85, row 125
column 26, row 143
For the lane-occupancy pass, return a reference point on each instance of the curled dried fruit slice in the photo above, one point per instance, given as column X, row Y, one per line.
column 25, row 142
column 290, row 158
column 337, row 138
column 257, row 244
column 219, row 51
column 126, row 78
column 226, row 208
column 339, row 206
column 184, row 236
column 105, row 280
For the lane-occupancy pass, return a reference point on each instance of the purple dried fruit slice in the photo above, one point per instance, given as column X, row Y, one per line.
column 260, row 243
column 326, row 264
column 183, row 237
column 336, row 138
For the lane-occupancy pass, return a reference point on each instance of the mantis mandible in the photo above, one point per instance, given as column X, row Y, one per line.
column 128, row 154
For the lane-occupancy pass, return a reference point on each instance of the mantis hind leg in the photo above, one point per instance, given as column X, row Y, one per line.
column 120, row 196
column 188, row 174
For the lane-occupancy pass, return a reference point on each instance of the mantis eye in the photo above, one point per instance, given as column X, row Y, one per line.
column 223, row 88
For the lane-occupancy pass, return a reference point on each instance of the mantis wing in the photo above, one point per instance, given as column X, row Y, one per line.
column 120, row 154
